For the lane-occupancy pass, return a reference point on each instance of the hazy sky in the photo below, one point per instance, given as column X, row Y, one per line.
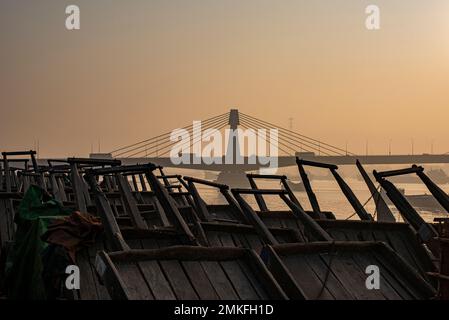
column 140, row 68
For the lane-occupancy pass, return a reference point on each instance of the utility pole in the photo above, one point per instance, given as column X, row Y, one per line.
column 389, row 148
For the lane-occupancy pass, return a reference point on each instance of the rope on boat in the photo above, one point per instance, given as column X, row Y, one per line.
column 377, row 203
column 332, row 253
column 366, row 202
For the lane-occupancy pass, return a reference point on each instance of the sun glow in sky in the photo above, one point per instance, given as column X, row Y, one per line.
column 139, row 68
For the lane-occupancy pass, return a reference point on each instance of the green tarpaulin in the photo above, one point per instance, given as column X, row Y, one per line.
column 24, row 264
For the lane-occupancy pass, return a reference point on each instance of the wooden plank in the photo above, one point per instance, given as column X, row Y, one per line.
column 352, row 277
column 142, row 183
column 393, row 280
column 386, row 287
column 155, row 278
column 130, row 203
column 240, row 240
column 165, row 242
column 134, row 281
column 199, row 280
column 239, row 280
column 323, row 267
column 391, row 285
column 4, row 233
column 295, row 224
column 367, row 235
column 254, row 242
column 309, row 282
column 134, row 243
column 89, row 255
column 352, row 235
column 178, row 280
column 88, row 290
column 226, row 239
column 149, row 243
column 255, row 283
column 102, row 293
column 272, row 222
column 374, row 258
column 381, row 235
column 219, row 280
column 162, row 216
column 401, row 249
column 212, row 238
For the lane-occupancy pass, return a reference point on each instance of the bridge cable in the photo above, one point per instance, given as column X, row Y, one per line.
column 285, row 137
column 250, row 127
column 321, row 143
column 162, row 147
column 301, row 137
column 286, row 152
column 165, row 134
column 314, row 146
column 191, row 143
column 171, row 143
column 157, row 145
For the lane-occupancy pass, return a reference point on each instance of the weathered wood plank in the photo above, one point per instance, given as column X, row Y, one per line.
column 255, row 283
column 322, row 265
column 156, row 280
column 219, row 280
column 199, row 280
column 134, row 281
column 306, row 278
column 178, row 280
column 239, row 280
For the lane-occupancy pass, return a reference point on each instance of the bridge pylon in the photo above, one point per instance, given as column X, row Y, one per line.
column 233, row 147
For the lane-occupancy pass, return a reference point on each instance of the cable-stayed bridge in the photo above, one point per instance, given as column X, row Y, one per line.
column 289, row 144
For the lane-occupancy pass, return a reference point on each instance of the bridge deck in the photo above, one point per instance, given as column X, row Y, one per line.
column 287, row 161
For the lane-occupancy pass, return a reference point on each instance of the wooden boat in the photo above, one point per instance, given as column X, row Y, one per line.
column 337, row 271
column 296, row 186
column 188, row 273
column 163, row 241
column 425, row 202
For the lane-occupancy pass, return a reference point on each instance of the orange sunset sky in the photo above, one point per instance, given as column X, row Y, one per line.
column 143, row 67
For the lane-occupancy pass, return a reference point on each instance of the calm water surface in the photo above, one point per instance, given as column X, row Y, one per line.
column 329, row 197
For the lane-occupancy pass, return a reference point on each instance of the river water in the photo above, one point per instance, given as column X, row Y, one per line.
column 328, row 194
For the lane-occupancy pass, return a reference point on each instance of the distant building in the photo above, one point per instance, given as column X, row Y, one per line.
column 305, row 154
column 100, row 156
